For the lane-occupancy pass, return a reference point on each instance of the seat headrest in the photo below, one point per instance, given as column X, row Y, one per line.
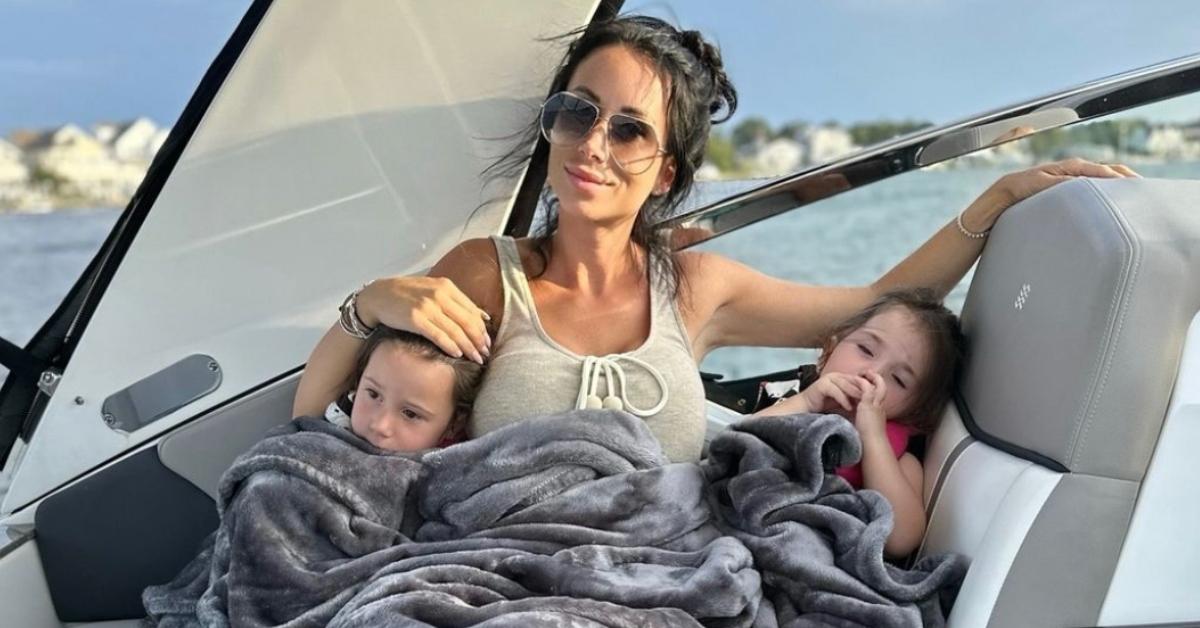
column 1076, row 318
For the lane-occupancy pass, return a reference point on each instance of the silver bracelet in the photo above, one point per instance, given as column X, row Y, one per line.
column 974, row 235
column 348, row 317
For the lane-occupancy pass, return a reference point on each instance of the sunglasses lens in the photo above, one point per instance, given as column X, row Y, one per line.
column 566, row 119
column 633, row 142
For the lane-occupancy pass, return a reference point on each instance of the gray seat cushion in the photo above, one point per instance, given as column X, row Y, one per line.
column 1076, row 316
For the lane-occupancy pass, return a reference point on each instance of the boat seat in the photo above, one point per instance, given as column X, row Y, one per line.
column 1063, row 468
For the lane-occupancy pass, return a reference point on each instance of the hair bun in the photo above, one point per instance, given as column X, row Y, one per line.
column 724, row 95
column 704, row 51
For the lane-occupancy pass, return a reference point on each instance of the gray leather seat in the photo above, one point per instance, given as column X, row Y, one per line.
column 1065, row 472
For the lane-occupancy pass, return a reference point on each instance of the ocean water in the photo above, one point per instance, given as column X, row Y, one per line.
column 850, row 239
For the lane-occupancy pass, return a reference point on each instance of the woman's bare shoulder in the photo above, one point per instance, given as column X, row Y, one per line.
column 702, row 262
column 466, row 258
column 707, row 275
column 532, row 258
column 474, row 267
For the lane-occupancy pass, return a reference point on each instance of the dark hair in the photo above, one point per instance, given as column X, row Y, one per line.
column 947, row 346
column 467, row 373
column 699, row 95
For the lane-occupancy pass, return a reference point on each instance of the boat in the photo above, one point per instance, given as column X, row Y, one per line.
column 327, row 145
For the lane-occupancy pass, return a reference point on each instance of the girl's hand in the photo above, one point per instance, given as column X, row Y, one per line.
column 829, row 393
column 832, row 391
column 431, row 306
column 1018, row 186
column 870, row 418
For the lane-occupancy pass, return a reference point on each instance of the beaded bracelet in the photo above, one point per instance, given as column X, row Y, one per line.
column 974, row 235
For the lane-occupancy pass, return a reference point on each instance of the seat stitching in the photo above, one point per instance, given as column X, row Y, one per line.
column 1123, row 294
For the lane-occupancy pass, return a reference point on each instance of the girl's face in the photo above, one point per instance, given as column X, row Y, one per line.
column 403, row 402
column 889, row 344
column 584, row 177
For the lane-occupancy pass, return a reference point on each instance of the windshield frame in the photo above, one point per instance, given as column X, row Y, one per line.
column 924, row 148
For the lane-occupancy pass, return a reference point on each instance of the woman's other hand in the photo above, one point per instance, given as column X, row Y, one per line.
column 431, row 306
column 1018, row 186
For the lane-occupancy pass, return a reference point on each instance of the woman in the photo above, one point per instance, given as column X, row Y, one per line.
column 599, row 312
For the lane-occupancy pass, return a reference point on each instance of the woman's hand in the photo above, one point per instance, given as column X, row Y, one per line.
column 431, row 306
column 1018, row 186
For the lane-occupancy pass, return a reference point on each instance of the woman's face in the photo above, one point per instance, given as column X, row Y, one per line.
column 584, row 177
column 404, row 402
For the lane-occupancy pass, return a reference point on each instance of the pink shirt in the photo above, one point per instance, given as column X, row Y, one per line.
column 897, row 435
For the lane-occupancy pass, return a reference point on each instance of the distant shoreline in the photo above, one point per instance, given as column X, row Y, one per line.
column 68, row 209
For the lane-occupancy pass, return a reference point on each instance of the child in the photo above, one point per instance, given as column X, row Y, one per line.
column 889, row 369
column 405, row 394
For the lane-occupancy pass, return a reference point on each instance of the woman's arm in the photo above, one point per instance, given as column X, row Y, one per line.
column 441, row 307
column 733, row 304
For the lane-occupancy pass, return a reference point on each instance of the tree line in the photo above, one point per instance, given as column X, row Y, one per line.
column 725, row 149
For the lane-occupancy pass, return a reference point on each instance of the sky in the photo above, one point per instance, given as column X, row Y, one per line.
column 86, row 61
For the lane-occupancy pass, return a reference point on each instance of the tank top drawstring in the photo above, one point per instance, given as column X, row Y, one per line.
column 616, row 398
column 530, row 374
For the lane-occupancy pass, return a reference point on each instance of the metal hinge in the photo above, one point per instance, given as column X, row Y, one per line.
column 48, row 381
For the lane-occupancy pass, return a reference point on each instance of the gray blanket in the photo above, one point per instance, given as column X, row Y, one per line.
column 575, row 519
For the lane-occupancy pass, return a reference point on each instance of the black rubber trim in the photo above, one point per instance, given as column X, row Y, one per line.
column 105, row 539
column 56, row 340
column 20, row 362
column 977, row 432
column 944, row 472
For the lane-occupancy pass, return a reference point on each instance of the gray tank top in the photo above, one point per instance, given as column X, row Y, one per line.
column 530, row 374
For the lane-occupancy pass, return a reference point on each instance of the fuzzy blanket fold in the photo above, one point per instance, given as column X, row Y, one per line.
column 568, row 520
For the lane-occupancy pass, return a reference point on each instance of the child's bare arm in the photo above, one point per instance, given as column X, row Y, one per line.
column 898, row 480
column 894, row 479
column 830, row 389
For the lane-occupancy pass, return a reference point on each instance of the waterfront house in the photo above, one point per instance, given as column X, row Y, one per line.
column 778, row 156
column 823, row 144
column 13, row 171
column 1171, row 142
column 75, row 163
column 132, row 141
column 14, row 175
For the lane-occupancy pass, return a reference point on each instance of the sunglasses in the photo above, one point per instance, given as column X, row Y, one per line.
column 567, row 119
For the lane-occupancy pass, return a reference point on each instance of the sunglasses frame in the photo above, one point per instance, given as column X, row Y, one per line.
column 607, row 132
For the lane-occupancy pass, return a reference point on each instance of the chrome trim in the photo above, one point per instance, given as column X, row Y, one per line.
column 923, row 148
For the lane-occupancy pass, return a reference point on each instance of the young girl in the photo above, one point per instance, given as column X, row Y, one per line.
column 405, row 394
column 889, row 369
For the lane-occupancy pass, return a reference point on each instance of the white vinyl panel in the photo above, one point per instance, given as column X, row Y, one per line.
column 1157, row 579
column 24, row 598
column 949, row 434
column 972, row 493
column 992, row 555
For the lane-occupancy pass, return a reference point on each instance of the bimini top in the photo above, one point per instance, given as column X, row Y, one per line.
column 329, row 144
